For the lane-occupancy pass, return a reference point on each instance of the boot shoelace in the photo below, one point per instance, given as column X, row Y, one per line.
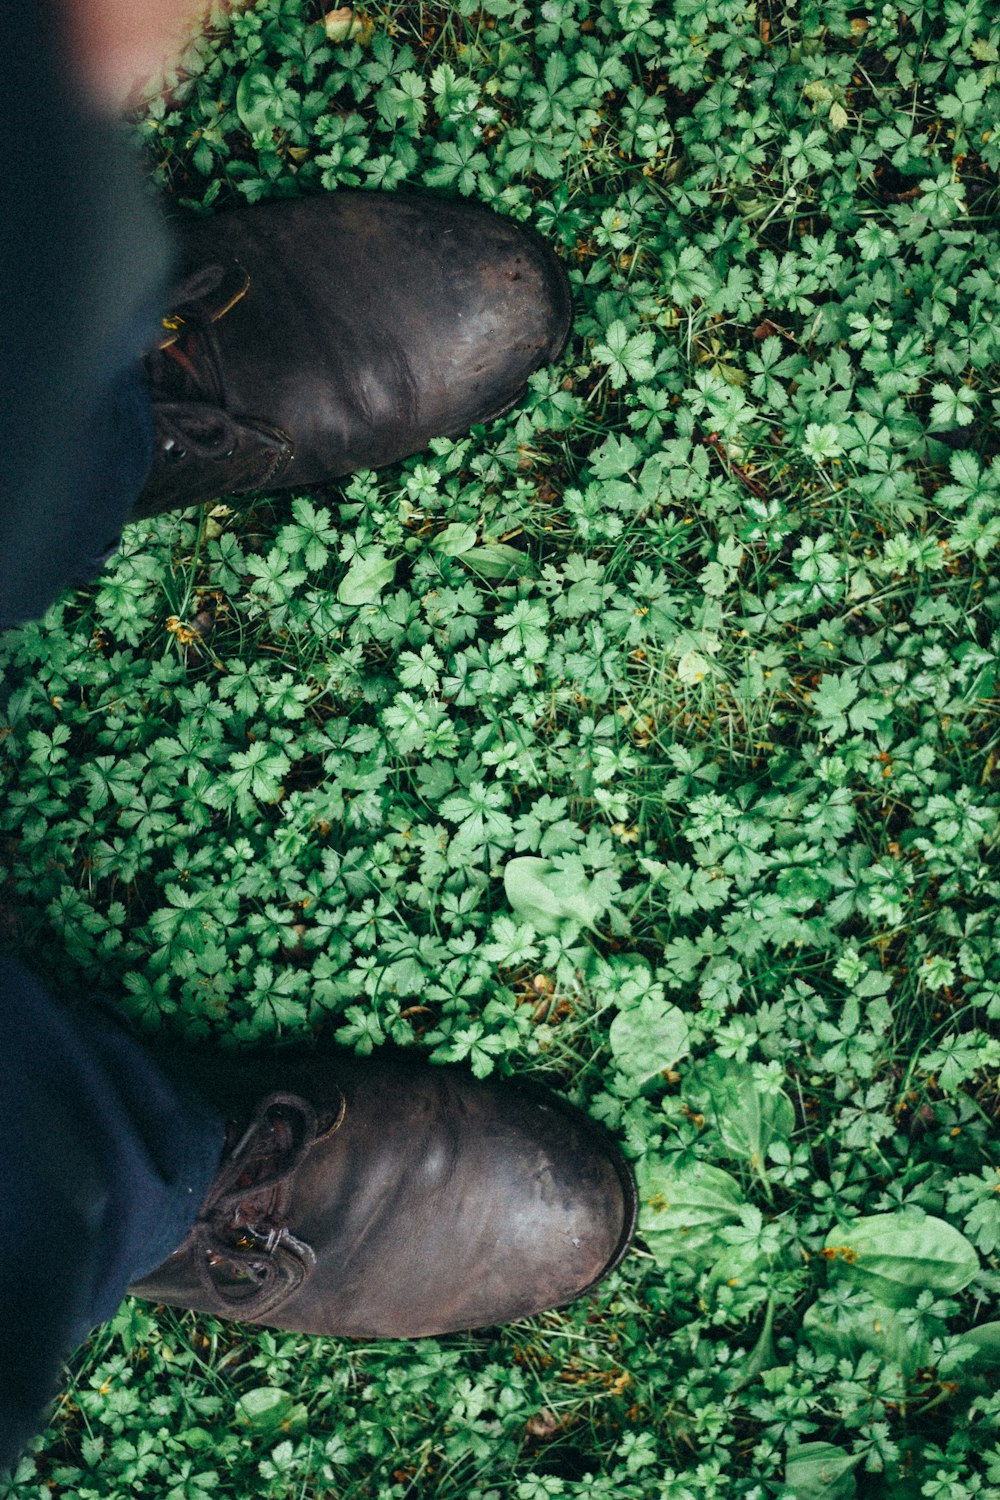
column 247, row 1258
column 185, row 374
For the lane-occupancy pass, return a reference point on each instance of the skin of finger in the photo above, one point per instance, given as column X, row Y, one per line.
column 112, row 46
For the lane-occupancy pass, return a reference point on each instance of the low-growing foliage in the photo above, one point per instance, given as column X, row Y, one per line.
column 644, row 741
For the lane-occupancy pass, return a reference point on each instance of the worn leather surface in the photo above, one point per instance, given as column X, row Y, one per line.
column 439, row 1203
column 372, row 322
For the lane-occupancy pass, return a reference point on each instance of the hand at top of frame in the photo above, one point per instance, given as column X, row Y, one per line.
column 113, row 46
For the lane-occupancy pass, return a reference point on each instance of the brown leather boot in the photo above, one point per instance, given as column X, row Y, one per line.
column 387, row 1199
column 311, row 338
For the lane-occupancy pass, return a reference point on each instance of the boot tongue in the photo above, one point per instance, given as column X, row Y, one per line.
column 245, row 1254
column 203, row 297
column 229, row 453
column 266, row 1164
column 185, row 365
column 267, row 1154
column 180, row 371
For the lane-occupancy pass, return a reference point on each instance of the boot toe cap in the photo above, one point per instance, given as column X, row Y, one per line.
column 493, row 307
column 435, row 1204
column 374, row 322
column 579, row 1214
column 515, row 1203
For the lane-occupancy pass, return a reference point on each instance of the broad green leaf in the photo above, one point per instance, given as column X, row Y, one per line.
column 267, row 1409
column 976, row 1349
column 683, row 1207
column 821, row 1471
column 255, row 100
column 747, row 1117
column 738, row 1265
column 366, row 578
column 761, row 1358
column 649, row 1038
column 545, row 895
column 456, row 539
column 897, row 1256
column 496, row 560
column 878, row 1329
column 529, row 894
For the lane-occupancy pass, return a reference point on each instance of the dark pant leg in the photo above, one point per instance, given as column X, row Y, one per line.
column 119, row 458
column 83, row 266
column 104, row 1163
column 103, row 1160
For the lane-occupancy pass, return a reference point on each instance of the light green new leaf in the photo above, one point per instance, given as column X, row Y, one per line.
column 682, row 1208
column 897, row 1256
column 649, row 1038
column 821, row 1471
column 266, row 1410
column 455, row 540
column 747, row 1117
column 544, row 895
column 366, row 578
column 975, row 1350
column 495, row 560
column 878, row 1329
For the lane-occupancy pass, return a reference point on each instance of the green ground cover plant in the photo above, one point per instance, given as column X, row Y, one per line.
column 644, row 742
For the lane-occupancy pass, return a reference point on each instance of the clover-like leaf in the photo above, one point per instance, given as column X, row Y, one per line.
column 627, row 355
column 258, row 100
